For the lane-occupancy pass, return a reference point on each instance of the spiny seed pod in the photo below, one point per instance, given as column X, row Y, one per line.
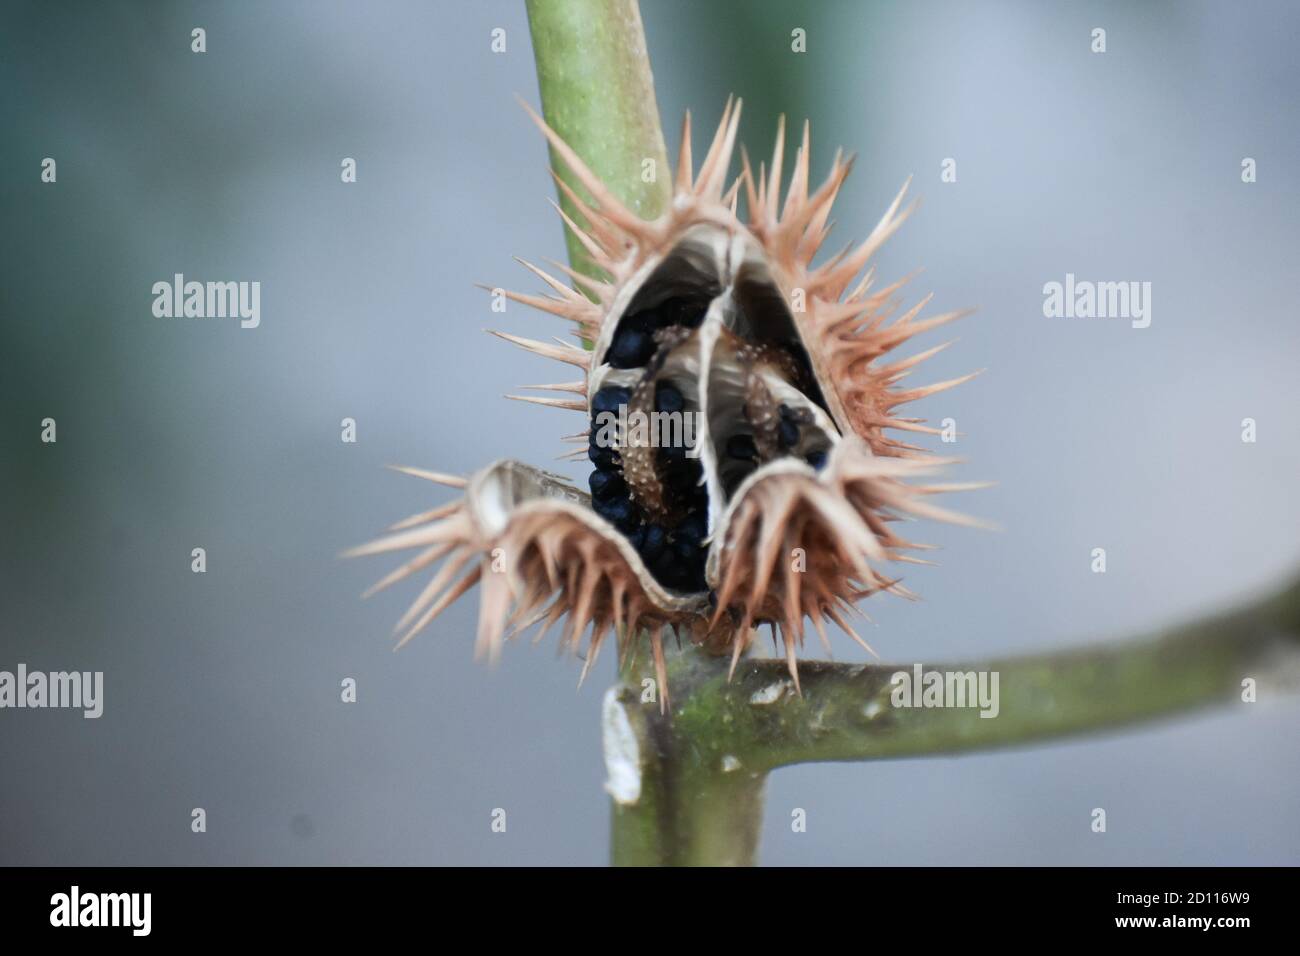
column 738, row 401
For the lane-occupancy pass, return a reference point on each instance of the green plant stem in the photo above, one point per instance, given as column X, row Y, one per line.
column 598, row 94
column 690, row 811
column 846, row 712
column 707, row 761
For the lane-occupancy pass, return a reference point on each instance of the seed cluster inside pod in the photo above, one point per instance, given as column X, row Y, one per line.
column 647, row 482
column 738, row 399
column 701, row 381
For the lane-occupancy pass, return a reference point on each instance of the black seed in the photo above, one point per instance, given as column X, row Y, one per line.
column 603, row 458
column 679, row 573
column 653, row 543
column 631, row 349
column 693, row 529
column 614, row 510
column 787, row 433
column 646, row 321
column 817, row 459
column 668, row 399
column 742, row 446
column 685, row 548
column 605, row 484
column 637, row 537
column 786, row 412
column 609, row 398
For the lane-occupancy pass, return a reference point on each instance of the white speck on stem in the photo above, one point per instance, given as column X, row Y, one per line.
column 622, row 751
column 769, row 694
column 730, row 764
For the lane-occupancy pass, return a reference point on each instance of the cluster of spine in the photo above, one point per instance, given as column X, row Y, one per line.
column 637, row 556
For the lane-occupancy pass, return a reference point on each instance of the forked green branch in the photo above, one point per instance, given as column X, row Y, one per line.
column 846, row 712
column 704, row 766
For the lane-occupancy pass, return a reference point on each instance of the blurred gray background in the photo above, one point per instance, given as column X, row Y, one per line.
column 222, row 689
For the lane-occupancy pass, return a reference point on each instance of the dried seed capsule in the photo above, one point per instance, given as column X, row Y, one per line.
column 694, row 317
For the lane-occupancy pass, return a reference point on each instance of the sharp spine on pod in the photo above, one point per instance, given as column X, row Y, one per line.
column 743, row 473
